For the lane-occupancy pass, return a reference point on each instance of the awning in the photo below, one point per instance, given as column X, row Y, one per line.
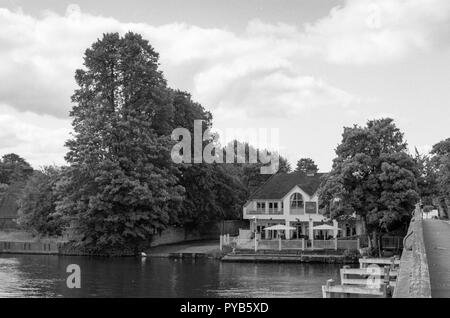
column 326, row 227
column 280, row 227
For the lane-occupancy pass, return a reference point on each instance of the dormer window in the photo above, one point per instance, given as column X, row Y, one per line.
column 297, row 201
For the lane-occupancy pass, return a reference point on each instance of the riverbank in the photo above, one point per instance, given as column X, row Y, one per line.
column 193, row 249
column 22, row 243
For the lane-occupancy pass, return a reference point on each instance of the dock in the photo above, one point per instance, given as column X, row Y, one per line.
column 376, row 277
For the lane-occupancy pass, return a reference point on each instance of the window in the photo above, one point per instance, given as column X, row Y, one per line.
column 296, row 201
column 261, row 205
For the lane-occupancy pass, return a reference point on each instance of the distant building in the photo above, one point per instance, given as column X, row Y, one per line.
column 291, row 199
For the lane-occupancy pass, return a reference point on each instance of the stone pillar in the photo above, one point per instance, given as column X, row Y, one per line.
column 311, row 231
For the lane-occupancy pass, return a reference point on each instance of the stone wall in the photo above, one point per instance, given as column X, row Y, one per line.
column 209, row 231
column 414, row 278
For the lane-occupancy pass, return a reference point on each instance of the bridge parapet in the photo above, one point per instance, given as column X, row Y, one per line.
column 414, row 278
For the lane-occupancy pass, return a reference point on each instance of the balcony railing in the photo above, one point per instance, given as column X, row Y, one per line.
column 297, row 211
column 265, row 212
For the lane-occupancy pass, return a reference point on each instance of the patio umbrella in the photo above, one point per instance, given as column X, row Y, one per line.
column 326, row 227
column 280, row 227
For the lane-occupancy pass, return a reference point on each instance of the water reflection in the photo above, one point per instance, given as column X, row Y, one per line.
column 45, row 276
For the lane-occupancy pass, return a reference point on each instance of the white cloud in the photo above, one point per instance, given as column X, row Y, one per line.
column 40, row 56
column 277, row 93
column 369, row 31
column 256, row 73
column 38, row 138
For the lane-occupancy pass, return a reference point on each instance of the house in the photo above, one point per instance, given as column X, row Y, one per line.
column 292, row 199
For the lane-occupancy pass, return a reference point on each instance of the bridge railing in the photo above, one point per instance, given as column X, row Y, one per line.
column 414, row 277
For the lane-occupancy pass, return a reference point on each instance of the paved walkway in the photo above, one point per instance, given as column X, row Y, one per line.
column 437, row 245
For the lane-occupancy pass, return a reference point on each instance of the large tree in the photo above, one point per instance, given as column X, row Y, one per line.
column 121, row 186
column 427, row 178
column 37, row 203
column 373, row 176
column 212, row 191
column 306, row 165
column 14, row 168
column 440, row 165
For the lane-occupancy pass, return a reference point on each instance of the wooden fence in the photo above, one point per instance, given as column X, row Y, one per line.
column 276, row 244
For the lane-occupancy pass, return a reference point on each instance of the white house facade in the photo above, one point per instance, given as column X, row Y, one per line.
column 292, row 199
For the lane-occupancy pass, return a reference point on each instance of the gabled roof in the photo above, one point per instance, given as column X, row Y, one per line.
column 281, row 183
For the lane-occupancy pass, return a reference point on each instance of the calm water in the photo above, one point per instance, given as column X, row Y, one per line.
column 45, row 276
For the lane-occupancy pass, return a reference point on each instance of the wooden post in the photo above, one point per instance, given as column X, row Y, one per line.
column 386, row 275
column 362, row 265
column 325, row 292
column 342, row 273
column 303, row 244
column 220, row 242
column 383, row 289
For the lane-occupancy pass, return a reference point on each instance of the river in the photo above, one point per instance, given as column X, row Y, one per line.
column 45, row 276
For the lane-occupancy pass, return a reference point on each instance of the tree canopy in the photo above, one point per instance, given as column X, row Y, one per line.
column 37, row 203
column 439, row 173
column 306, row 165
column 121, row 186
column 372, row 176
column 14, row 168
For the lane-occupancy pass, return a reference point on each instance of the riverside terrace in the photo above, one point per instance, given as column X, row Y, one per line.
column 292, row 200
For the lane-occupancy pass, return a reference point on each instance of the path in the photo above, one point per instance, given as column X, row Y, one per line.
column 437, row 245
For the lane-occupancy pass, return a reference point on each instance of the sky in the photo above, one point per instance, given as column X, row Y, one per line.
column 306, row 68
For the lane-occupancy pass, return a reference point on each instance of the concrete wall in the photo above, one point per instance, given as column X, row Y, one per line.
column 210, row 231
column 29, row 247
column 414, row 278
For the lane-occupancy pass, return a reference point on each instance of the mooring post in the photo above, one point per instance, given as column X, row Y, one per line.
column 383, row 289
column 386, row 274
column 326, row 292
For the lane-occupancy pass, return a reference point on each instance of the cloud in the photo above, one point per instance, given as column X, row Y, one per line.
column 38, row 138
column 277, row 94
column 256, row 73
column 41, row 54
column 369, row 31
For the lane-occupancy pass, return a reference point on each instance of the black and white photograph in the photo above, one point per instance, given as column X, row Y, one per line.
column 217, row 155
